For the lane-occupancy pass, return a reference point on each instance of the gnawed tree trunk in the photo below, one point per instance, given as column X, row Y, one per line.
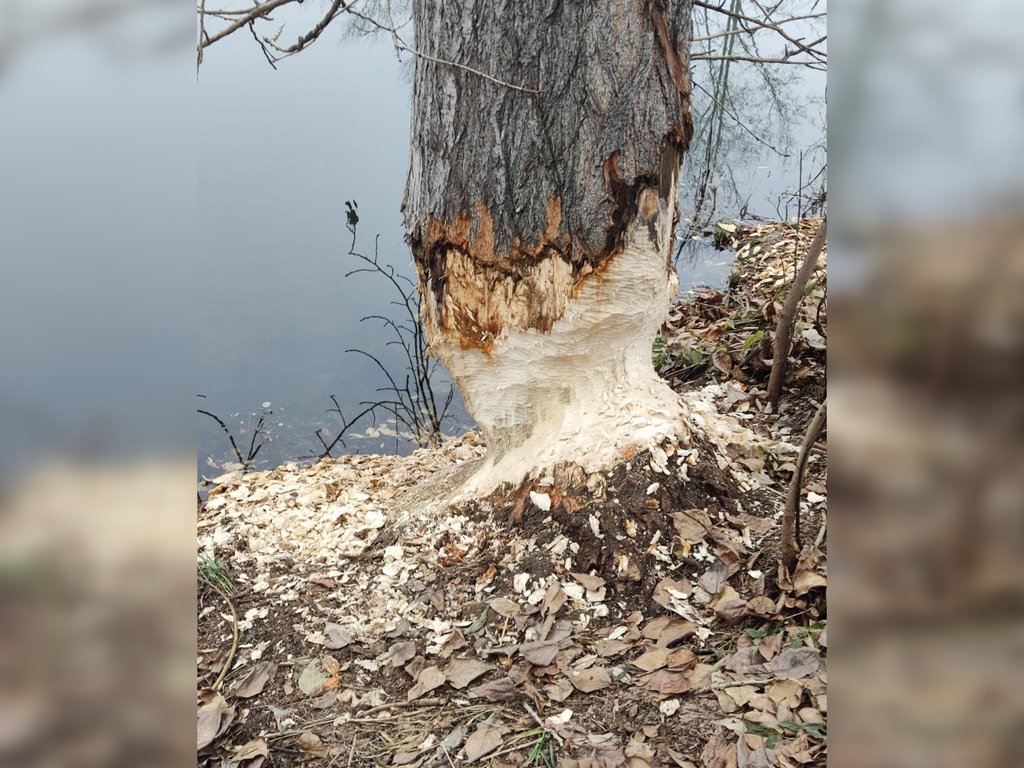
column 541, row 212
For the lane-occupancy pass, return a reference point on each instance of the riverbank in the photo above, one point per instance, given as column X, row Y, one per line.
column 638, row 616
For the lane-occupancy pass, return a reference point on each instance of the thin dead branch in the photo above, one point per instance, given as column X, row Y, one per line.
column 261, row 12
column 254, row 449
column 787, row 316
column 750, row 25
column 413, row 403
column 234, row 630
column 791, row 512
column 786, row 58
column 739, row 122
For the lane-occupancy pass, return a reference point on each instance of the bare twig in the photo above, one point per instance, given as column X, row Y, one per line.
column 402, row 705
column 787, row 316
column 202, row 35
column 775, row 26
column 337, row 7
column 484, row 75
column 346, row 425
column 263, row 46
column 785, row 59
column 730, row 684
column 740, row 123
column 258, row 12
column 415, row 404
column 351, row 751
column 540, row 722
column 234, row 633
column 791, row 512
column 227, row 431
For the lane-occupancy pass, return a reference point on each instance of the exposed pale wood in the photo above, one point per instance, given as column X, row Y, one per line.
column 541, row 223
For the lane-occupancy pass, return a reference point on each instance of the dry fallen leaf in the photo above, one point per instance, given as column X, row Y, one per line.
column 559, row 691
column 679, row 760
column 461, row 672
column 691, row 525
column 731, row 699
column 652, row 660
column 325, row 701
column 554, row 599
column 589, row 582
column 714, row 578
column 719, row 751
column 588, row 680
column 250, row 755
column 539, row 653
column 666, row 682
column 795, row 663
column 454, row 642
column 318, row 676
column 504, row 607
column 212, row 707
column 414, row 667
column 770, row 645
column 785, row 692
column 427, row 680
column 401, row 653
column 452, row 741
column 337, row 637
column 664, row 589
column 751, row 752
column 811, row 715
column 805, row 581
column 484, row 740
column 729, row 606
column 760, row 606
column 253, row 681
column 681, row 658
column 496, row 690
column 799, row 750
column 311, row 743
column 667, row 630
column 607, row 649
column 485, row 578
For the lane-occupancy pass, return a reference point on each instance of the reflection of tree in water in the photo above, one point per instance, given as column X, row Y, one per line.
column 746, row 101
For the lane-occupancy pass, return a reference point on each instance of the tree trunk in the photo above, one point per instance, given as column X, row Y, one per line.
column 541, row 209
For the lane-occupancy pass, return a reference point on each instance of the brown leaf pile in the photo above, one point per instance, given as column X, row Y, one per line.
column 728, row 335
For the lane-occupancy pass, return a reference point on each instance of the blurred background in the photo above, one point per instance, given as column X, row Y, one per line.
column 926, row 126
column 98, row 242
column 146, row 217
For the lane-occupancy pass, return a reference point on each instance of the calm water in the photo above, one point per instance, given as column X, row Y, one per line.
column 281, row 151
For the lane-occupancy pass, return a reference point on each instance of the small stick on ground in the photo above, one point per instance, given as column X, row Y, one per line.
column 234, row 631
column 401, row 705
column 540, row 722
column 730, row 684
column 791, row 512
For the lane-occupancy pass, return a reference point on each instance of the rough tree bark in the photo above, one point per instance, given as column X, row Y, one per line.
column 541, row 213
